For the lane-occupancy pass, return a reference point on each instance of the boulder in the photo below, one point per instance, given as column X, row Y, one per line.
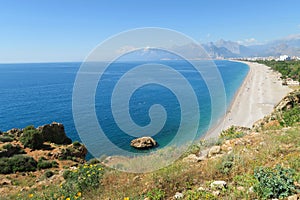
column 293, row 197
column 178, row 195
column 213, row 151
column 218, row 185
column 143, row 143
column 5, row 181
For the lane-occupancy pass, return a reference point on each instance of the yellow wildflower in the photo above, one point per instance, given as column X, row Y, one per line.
column 79, row 194
column 68, row 198
column 30, row 195
column 126, row 198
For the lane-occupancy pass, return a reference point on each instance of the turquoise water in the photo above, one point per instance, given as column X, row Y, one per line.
column 39, row 93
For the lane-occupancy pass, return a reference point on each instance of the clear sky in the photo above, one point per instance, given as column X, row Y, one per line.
column 67, row 30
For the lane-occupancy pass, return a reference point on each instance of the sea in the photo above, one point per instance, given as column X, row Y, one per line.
column 41, row 93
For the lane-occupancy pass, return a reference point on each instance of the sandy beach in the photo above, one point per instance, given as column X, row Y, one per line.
column 260, row 92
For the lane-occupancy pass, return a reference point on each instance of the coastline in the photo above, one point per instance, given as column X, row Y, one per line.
column 260, row 91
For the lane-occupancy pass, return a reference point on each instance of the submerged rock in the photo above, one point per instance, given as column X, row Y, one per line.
column 143, row 143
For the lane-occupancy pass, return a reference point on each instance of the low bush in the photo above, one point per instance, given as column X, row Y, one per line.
column 6, row 139
column 274, row 182
column 10, row 150
column 76, row 144
column 45, row 164
column 85, row 177
column 231, row 133
column 17, row 163
column 226, row 164
column 156, row 194
column 291, row 117
column 49, row 174
column 32, row 138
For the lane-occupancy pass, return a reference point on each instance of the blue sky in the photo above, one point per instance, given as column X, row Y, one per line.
column 65, row 30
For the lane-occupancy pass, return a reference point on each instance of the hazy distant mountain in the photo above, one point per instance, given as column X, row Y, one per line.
column 221, row 49
column 289, row 45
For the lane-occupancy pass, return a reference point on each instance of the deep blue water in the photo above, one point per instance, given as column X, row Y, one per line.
column 40, row 93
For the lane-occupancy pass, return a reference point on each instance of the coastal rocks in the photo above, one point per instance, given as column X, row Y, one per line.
column 213, row 151
column 143, row 143
column 54, row 132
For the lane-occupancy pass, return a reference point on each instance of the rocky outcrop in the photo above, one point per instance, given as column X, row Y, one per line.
column 143, row 143
column 289, row 101
column 54, row 132
column 75, row 151
column 15, row 131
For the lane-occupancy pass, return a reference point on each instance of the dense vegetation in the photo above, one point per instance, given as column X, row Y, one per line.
column 288, row 69
column 17, row 163
column 32, row 138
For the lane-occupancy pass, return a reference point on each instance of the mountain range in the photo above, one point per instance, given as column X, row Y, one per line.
column 229, row 49
column 221, row 49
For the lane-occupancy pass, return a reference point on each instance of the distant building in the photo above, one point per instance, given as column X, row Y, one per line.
column 284, row 58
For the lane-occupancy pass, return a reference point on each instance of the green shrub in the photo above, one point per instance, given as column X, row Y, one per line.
column 274, row 183
column 93, row 161
column 291, row 117
column 32, row 138
column 85, row 177
column 49, row 173
column 11, row 150
column 27, row 128
column 192, row 194
column 226, row 165
column 45, row 164
column 156, row 194
column 76, row 144
column 231, row 133
column 17, row 163
column 6, row 139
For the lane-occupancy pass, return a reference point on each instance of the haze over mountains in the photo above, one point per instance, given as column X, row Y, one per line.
column 222, row 49
column 228, row 49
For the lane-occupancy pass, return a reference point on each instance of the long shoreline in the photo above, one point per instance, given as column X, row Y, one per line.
column 260, row 91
